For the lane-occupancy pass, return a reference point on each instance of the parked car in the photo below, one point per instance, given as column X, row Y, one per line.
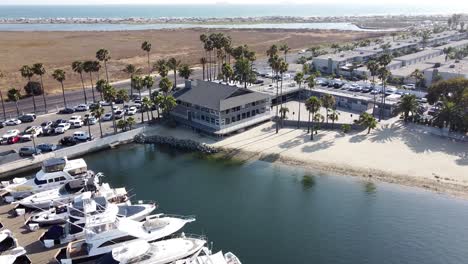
column 104, row 103
column 76, row 124
column 135, row 97
column 90, row 121
column 13, row 139
column 48, row 131
column 409, row 86
column 66, row 111
column 46, row 124
column 27, row 118
column 107, row 117
column 82, row 136
column 28, row 151
column 116, row 108
column 60, row 129
column 131, row 111
column 81, row 108
column 68, row 141
column 119, row 114
column 93, row 106
column 11, row 133
column 58, row 122
column 12, row 122
column 47, row 147
column 36, row 130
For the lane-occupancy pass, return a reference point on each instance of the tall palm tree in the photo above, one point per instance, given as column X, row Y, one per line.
column 161, row 66
column 27, row 72
column 333, row 117
column 185, row 71
column 384, row 74
column 100, row 85
column 148, row 82
column 227, row 72
column 368, row 121
column 242, row 70
column 1, row 97
column 131, row 70
column 88, row 67
column 59, row 76
column 285, row 49
column 418, row 76
column 299, row 78
column 138, row 85
column 313, row 105
column 122, row 95
column 407, row 104
column 168, row 103
column 78, row 67
column 449, row 114
column 283, row 67
column 14, row 95
column 146, row 46
column 98, row 112
column 272, row 53
column 146, row 105
column 166, row 85
column 373, row 67
column 328, row 101
column 110, row 95
column 203, row 63
column 174, row 64
column 103, row 55
column 39, row 69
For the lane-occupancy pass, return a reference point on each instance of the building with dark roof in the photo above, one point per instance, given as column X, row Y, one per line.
column 220, row 109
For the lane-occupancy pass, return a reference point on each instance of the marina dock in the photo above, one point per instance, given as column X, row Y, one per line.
column 37, row 253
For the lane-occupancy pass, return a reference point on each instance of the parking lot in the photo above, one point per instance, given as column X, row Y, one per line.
column 6, row 150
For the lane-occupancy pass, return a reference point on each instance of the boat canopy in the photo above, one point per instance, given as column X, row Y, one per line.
column 130, row 250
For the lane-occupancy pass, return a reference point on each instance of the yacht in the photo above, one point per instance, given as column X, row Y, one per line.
column 54, row 173
column 160, row 252
column 204, row 256
column 106, row 232
column 10, row 252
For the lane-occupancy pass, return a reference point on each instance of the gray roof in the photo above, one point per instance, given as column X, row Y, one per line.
column 217, row 96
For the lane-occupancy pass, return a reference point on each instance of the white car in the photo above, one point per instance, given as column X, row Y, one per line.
column 131, row 111
column 91, row 120
column 82, row 136
column 116, row 108
column 107, row 117
column 409, row 86
column 11, row 133
column 81, row 108
column 35, row 130
column 12, row 122
column 104, row 103
column 119, row 114
column 61, row 128
column 76, row 123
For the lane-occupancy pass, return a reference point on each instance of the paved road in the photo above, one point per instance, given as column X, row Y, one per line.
column 95, row 131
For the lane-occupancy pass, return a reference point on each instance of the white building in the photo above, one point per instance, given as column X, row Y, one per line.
column 418, row 57
column 331, row 63
column 450, row 70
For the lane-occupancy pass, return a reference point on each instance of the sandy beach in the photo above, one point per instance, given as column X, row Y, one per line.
column 392, row 153
column 60, row 49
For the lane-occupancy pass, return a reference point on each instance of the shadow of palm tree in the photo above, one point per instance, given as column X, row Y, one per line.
column 269, row 128
column 385, row 133
column 357, row 138
column 291, row 143
column 270, row 157
column 318, row 146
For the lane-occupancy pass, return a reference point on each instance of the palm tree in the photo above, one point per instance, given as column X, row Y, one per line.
column 14, row 95
column 407, row 104
column 313, row 105
column 100, row 85
column 311, row 81
column 383, row 75
column 203, row 63
column 285, row 49
column 98, row 112
column 166, row 85
column 161, row 67
column 1, row 97
column 449, row 114
column 299, row 78
column 131, row 122
column 39, row 69
column 333, row 117
column 174, row 64
column 148, row 82
column 283, row 111
column 146, row 46
column 227, row 71
column 131, row 70
column 368, row 121
column 242, row 70
column 78, row 67
column 122, row 95
column 418, row 76
column 27, row 72
column 168, row 103
column 157, row 100
column 146, row 105
column 138, row 85
column 97, row 68
column 110, row 94
column 328, row 101
column 88, row 67
column 272, row 53
column 185, row 71
column 373, row 67
column 104, row 56
column 283, row 67
column 59, row 76
column 448, row 51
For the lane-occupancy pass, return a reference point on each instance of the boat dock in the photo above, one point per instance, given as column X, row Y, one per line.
column 36, row 252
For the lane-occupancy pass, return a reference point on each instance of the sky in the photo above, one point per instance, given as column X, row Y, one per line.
column 461, row 3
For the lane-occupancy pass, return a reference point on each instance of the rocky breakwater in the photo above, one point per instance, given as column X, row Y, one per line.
column 182, row 144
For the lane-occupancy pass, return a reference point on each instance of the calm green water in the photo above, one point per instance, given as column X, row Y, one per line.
column 268, row 214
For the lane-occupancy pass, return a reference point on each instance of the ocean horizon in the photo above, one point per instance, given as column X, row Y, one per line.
column 216, row 10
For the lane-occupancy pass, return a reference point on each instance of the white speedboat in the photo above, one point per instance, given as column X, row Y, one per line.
column 204, row 256
column 54, row 173
column 106, row 232
column 10, row 252
column 160, row 252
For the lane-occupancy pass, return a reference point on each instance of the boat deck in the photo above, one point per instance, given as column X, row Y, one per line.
column 36, row 252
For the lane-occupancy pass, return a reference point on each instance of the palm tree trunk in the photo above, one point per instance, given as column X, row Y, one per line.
column 149, row 64
column 147, row 113
column 281, row 95
column 151, row 98
column 107, row 74
column 203, row 65
column 92, row 86
column 277, row 93
column 308, row 125
column 33, row 98
column 175, row 78
column 17, row 109
column 313, row 128
column 84, row 90
column 141, row 109
column 299, row 111
column 43, row 96
column 3, row 106
column 63, row 93
column 89, row 129
column 113, row 117
column 327, row 116
column 100, row 126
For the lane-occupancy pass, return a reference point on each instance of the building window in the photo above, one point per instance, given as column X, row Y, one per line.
column 202, row 117
column 227, row 121
column 238, row 117
column 233, row 119
column 212, row 120
column 248, row 114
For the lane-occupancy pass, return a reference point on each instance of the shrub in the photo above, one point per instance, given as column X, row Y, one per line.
column 346, row 128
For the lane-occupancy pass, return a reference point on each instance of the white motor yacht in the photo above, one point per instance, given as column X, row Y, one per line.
column 10, row 252
column 106, row 232
column 54, row 173
column 160, row 252
column 204, row 256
